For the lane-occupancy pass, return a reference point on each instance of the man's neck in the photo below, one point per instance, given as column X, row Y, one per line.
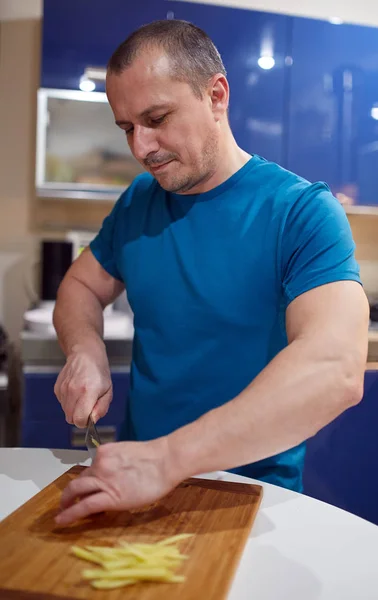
column 233, row 158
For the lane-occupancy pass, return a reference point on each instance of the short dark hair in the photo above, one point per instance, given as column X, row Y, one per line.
column 193, row 55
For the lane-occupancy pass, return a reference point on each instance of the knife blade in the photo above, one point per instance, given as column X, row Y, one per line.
column 92, row 439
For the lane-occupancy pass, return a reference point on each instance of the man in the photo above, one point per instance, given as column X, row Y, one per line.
column 250, row 320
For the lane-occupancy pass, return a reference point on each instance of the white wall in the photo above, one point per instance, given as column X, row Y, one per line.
column 20, row 9
column 19, row 79
column 353, row 11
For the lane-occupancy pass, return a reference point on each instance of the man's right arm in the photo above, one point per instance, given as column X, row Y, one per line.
column 83, row 294
column 84, row 383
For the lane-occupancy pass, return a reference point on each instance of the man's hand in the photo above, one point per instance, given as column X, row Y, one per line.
column 84, row 385
column 123, row 476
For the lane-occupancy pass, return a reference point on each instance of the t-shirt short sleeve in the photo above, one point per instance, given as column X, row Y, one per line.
column 318, row 246
column 103, row 245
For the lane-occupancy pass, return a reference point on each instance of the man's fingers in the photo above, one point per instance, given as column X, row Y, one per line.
column 102, row 405
column 77, row 488
column 69, row 396
column 83, row 409
column 69, row 406
column 97, row 502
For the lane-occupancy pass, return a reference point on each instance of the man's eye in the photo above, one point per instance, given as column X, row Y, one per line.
column 130, row 130
column 158, row 120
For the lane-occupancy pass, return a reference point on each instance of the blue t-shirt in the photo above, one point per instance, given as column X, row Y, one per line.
column 209, row 277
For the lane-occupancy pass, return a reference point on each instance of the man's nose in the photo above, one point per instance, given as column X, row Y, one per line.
column 144, row 142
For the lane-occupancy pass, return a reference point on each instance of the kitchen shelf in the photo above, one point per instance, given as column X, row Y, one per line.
column 361, row 210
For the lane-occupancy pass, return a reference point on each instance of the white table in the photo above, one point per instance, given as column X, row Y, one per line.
column 299, row 548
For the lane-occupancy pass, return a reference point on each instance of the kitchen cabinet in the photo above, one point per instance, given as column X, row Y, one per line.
column 43, row 424
column 79, row 148
column 257, row 98
column 304, row 92
column 333, row 107
column 257, row 94
column 341, row 461
column 82, row 33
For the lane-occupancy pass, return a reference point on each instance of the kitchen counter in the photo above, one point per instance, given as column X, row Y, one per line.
column 42, row 349
column 37, row 349
column 372, row 366
column 373, row 345
column 299, row 548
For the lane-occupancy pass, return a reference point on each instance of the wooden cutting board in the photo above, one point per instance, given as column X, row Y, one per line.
column 35, row 559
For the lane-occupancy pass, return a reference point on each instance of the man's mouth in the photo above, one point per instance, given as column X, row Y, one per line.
column 158, row 168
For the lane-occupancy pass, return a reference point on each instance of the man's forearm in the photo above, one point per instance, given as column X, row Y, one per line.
column 78, row 316
column 292, row 398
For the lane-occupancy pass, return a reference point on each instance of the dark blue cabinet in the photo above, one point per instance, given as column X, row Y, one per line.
column 257, row 103
column 315, row 111
column 84, row 33
column 341, row 461
column 43, row 424
column 333, row 126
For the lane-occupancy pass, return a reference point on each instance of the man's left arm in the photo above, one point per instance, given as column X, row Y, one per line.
column 307, row 385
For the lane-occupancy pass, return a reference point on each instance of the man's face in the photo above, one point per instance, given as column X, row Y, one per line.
column 170, row 131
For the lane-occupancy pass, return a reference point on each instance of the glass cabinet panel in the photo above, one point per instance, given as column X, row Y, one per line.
column 79, row 147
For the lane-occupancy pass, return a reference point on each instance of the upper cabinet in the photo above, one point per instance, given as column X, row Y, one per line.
column 254, row 47
column 80, row 151
column 82, row 34
column 78, row 34
column 333, row 105
column 303, row 92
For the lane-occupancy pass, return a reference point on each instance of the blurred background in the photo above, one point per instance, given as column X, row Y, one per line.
column 304, row 93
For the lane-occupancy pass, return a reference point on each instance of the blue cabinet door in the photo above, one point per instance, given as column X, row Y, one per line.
column 333, row 126
column 341, row 461
column 257, row 102
column 82, row 33
column 62, row 436
column 43, row 424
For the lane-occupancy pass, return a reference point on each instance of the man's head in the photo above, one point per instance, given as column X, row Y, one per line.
column 167, row 87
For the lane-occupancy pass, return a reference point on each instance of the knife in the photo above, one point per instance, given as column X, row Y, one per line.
column 92, row 439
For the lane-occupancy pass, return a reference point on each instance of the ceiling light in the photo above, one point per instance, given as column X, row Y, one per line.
column 266, row 62
column 86, row 85
column 374, row 112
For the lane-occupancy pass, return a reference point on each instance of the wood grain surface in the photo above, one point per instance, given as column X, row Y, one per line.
column 35, row 559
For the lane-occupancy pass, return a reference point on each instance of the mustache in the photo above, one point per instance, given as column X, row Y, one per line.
column 153, row 161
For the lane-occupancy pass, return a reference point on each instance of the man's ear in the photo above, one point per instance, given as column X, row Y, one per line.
column 219, row 93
